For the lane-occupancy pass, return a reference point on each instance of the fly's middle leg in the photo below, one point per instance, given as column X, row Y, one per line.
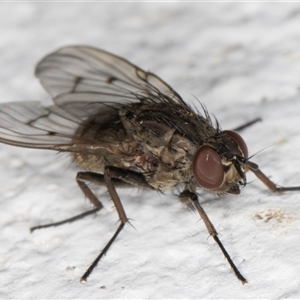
column 248, row 124
column 113, row 177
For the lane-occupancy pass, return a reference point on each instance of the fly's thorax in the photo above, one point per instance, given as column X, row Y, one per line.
column 142, row 122
column 155, row 123
column 154, row 128
column 175, row 161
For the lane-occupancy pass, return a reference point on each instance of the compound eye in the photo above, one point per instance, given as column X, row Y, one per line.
column 239, row 140
column 207, row 168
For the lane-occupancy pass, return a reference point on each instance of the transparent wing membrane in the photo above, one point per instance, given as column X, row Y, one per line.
column 83, row 82
column 94, row 75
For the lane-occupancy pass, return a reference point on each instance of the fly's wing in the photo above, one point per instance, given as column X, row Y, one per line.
column 83, row 82
column 85, row 74
column 30, row 125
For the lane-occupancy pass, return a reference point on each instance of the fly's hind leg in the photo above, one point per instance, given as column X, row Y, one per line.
column 125, row 179
column 81, row 178
column 113, row 177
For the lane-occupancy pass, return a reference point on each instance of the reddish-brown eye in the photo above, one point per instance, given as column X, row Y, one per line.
column 207, row 168
column 239, row 140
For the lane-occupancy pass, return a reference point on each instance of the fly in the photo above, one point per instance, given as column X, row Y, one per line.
column 126, row 127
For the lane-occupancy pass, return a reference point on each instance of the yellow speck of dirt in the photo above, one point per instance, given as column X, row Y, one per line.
column 277, row 220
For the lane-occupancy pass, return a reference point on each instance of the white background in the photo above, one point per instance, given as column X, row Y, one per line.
column 242, row 61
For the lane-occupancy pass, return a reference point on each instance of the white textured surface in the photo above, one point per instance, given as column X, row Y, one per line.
column 241, row 61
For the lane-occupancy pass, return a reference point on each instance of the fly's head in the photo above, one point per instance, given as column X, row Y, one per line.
column 218, row 165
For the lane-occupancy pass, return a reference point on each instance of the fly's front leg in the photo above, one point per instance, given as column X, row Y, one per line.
column 267, row 181
column 114, row 175
column 190, row 197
